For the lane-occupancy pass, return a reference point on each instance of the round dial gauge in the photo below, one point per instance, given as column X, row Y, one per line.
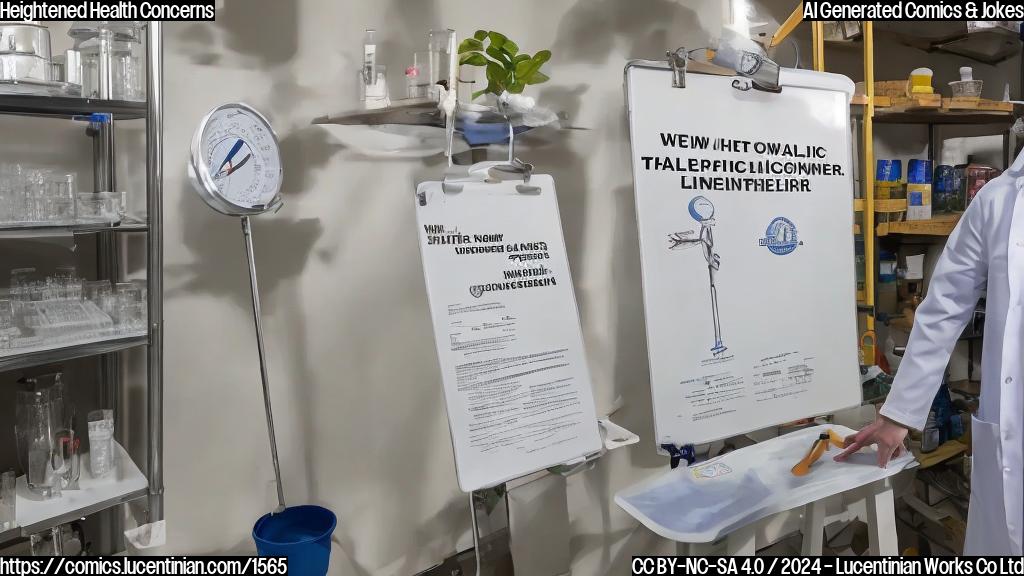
column 236, row 161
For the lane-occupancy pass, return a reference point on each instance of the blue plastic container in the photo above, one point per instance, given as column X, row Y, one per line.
column 888, row 170
column 919, row 172
column 302, row 533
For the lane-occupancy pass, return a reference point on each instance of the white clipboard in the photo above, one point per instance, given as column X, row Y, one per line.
column 515, row 378
column 748, row 269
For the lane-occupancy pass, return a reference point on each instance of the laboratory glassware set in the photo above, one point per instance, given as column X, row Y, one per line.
column 423, row 78
column 49, row 445
column 64, row 309
column 40, row 196
column 28, row 65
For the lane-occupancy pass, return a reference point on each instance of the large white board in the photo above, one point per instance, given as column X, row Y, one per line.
column 745, row 217
column 515, row 377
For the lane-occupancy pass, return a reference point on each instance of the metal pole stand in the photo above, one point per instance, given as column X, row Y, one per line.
column 257, row 313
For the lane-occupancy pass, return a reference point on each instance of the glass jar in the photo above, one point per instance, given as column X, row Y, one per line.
column 116, row 46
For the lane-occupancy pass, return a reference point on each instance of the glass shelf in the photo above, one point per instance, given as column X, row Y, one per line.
column 44, row 230
column 127, row 483
column 67, row 107
column 20, row 358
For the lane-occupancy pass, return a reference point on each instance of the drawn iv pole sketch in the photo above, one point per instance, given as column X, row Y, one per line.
column 703, row 211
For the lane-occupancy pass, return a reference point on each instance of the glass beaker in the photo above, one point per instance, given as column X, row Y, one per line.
column 437, row 48
column 375, row 94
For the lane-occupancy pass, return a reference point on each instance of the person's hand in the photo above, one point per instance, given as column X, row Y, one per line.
column 884, row 433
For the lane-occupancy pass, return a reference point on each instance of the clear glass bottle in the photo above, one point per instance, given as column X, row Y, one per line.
column 39, row 416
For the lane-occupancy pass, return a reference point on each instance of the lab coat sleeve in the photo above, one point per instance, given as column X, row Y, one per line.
column 957, row 282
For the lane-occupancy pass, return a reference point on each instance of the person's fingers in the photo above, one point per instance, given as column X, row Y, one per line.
column 851, row 438
column 852, row 445
column 885, row 454
column 899, row 451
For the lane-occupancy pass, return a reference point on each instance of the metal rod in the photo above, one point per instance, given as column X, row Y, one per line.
column 453, row 89
column 257, row 313
column 154, row 267
column 476, row 531
column 503, row 108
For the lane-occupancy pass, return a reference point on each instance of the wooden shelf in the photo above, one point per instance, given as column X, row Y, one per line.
column 888, row 205
column 891, row 205
column 939, row 116
column 941, row 225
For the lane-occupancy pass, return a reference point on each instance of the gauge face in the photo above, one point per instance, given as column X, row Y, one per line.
column 236, row 160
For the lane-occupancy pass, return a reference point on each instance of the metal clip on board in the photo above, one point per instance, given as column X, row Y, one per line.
column 677, row 61
column 757, row 71
column 456, row 177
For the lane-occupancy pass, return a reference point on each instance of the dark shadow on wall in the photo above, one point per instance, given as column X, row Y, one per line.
column 258, row 33
column 304, row 151
column 591, row 30
column 632, row 373
column 282, row 246
column 555, row 152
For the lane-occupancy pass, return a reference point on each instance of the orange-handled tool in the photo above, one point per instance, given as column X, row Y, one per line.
column 820, row 446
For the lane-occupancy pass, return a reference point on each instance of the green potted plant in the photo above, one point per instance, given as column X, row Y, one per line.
column 507, row 69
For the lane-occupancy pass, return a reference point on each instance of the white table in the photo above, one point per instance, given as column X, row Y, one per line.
column 726, row 497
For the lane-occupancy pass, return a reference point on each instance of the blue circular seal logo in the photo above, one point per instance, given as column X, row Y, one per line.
column 780, row 237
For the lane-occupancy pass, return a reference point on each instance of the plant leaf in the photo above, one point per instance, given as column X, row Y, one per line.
column 510, row 47
column 497, row 77
column 497, row 39
column 500, row 56
column 517, row 88
column 520, row 58
column 538, row 77
column 480, row 35
column 470, row 45
column 526, row 69
column 479, row 93
column 473, row 59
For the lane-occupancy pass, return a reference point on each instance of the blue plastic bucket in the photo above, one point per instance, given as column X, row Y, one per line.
column 302, row 533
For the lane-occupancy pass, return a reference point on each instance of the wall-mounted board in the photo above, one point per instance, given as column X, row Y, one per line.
column 507, row 330
column 744, row 209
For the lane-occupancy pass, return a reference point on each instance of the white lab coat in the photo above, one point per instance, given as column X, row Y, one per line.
column 984, row 255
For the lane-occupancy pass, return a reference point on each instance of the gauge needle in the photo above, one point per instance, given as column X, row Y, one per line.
column 227, row 160
column 237, row 166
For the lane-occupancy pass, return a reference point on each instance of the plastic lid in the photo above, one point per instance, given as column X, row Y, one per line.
column 921, row 72
column 966, row 73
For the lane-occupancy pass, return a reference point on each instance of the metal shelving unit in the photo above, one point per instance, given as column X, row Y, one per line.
column 132, row 484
